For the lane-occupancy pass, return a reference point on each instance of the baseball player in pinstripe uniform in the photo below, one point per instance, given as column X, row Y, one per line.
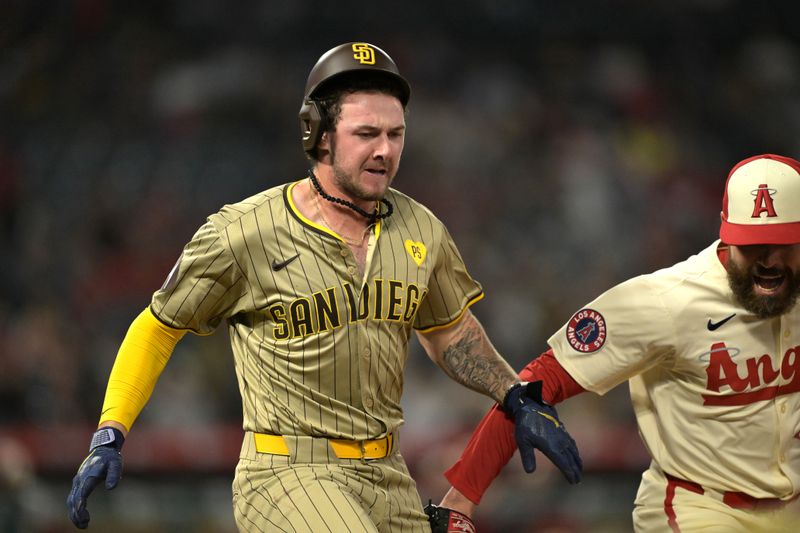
column 711, row 350
column 321, row 282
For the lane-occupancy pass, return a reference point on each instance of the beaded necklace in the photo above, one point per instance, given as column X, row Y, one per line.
column 372, row 217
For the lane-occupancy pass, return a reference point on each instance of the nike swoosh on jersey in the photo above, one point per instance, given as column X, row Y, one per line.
column 280, row 266
column 714, row 325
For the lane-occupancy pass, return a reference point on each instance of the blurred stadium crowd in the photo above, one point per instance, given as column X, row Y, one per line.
column 566, row 145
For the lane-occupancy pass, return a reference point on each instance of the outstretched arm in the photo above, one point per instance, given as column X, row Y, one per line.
column 492, row 443
column 142, row 356
column 465, row 353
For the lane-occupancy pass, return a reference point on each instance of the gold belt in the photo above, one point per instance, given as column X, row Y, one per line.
column 344, row 449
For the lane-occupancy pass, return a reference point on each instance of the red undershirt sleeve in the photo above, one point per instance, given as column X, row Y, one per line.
column 492, row 443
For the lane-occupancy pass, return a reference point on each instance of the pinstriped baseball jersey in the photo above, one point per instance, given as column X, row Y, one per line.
column 318, row 349
column 716, row 390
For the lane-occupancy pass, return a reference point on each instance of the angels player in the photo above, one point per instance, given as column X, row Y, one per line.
column 710, row 348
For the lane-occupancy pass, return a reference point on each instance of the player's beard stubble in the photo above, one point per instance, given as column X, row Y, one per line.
column 741, row 282
column 346, row 182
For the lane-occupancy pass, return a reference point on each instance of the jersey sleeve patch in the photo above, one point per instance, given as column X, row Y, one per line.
column 586, row 331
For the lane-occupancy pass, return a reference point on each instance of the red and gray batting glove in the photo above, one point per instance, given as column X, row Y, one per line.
column 104, row 462
column 444, row 520
column 537, row 427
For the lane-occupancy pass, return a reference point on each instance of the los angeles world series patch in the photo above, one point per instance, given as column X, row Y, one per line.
column 586, row 331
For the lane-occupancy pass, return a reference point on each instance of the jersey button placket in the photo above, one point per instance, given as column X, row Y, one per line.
column 365, row 354
column 344, row 251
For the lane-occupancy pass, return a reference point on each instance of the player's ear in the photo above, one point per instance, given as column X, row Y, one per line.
column 324, row 147
column 324, row 141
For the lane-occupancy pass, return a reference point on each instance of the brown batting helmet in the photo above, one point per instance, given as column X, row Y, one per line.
column 343, row 59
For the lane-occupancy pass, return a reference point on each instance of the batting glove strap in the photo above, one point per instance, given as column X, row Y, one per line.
column 107, row 436
column 517, row 395
column 444, row 520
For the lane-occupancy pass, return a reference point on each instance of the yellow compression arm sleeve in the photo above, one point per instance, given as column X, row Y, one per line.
column 142, row 356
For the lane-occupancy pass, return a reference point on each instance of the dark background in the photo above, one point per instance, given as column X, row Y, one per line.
column 566, row 145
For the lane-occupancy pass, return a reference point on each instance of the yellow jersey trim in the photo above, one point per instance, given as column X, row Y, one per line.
column 296, row 212
column 456, row 319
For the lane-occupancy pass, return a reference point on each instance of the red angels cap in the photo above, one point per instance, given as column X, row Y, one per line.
column 761, row 204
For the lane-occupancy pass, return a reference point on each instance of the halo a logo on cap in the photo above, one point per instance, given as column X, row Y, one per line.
column 763, row 202
column 586, row 331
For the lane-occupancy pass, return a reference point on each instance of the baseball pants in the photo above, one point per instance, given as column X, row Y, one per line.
column 293, row 494
column 669, row 506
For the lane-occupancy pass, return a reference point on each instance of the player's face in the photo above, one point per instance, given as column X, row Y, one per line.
column 367, row 144
column 765, row 278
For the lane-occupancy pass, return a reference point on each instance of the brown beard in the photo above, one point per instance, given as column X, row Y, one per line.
column 345, row 182
column 741, row 283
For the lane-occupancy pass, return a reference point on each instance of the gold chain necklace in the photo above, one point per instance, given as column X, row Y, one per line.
column 348, row 240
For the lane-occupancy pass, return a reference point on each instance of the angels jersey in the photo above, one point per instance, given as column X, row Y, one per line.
column 715, row 389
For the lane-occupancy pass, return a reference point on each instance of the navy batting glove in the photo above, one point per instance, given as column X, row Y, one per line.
column 537, row 427
column 103, row 462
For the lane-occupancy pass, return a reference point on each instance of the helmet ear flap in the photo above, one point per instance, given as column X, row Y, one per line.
column 311, row 125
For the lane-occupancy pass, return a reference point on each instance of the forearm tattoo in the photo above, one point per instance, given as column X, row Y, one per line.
column 473, row 362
